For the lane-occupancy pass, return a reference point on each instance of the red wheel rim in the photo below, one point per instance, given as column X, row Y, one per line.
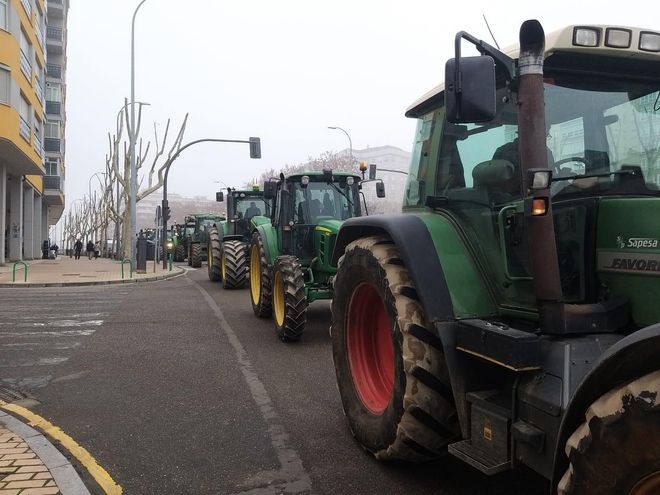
column 370, row 348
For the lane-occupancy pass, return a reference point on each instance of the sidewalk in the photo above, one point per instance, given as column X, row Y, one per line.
column 31, row 465
column 69, row 271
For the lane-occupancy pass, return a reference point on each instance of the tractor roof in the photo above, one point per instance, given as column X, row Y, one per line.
column 561, row 40
column 319, row 173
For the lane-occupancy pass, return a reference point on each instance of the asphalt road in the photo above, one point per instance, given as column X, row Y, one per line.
column 175, row 387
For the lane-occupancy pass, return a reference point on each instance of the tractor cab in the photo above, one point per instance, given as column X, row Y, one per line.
column 310, row 207
column 242, row 207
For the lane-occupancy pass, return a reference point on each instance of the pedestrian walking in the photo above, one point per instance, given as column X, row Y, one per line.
column 97, row 250
column 90, row 249
column 77, row 247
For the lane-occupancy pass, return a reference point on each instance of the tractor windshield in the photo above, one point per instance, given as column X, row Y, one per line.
column 205, row 224
column 251, row 206
column 325, row 200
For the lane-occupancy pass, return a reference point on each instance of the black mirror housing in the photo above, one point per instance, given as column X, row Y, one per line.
column 270, row 188
column 475, row 100
column 380, row 189
column 219, row 197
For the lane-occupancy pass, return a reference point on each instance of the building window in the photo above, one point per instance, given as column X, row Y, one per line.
column 24, row 125
column 4, row 15
column 53, row 92
column 52, row 130
column 52, row 166
column 26, row 53
column 5, row 83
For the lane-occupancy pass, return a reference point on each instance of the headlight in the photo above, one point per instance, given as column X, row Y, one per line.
column 649, row 42
column 170, row 245
column 586, row 36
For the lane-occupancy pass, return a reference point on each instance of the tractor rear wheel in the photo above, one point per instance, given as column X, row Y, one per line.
column 234, row 265
column 390, row 367
column 214, row 265
column 289, row 299
column 179, row 253
column 617, row 449
column 196, row 255
column 261, row 291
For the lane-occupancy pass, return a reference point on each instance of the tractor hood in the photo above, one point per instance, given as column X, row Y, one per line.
column 329, row 225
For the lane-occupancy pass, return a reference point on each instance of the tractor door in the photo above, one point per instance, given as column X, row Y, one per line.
column 283, row 218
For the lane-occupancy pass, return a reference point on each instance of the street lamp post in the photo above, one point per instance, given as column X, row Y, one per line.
column 255, row 152
column 133, row 181
column 350, row 143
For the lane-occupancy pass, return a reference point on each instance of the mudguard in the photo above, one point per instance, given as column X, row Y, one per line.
column 269, row 238
column 633, row 356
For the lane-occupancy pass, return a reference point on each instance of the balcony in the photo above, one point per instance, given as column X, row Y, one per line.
column 54, row 40
column 24, row 129
column 53, row 183
column 26, row 67
column 40, row 36
column 53, row 108
column 38, row 89
column 53, row 145
column 53, row 70
column 55, row 9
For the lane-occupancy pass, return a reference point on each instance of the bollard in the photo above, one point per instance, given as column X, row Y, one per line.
column 169, row 258
column 25, row 265
column 126, row 260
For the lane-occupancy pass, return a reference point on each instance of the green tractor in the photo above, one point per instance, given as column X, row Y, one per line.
column 511, row 315
column 290, row 252
column 197, row 229
column 228, row 242
column 178, row 239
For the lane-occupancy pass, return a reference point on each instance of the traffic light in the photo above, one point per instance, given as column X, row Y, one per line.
column 255, row 147
column 166, row 213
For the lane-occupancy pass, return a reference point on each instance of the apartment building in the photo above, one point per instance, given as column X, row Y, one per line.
column 32, row 123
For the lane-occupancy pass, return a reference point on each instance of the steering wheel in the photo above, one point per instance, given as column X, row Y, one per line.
column 587, row 163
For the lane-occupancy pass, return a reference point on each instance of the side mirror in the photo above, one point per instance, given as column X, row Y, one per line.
column 372, row 171
column 380, row 189
column 219, row 197
column 470, row 91
column 270, row 189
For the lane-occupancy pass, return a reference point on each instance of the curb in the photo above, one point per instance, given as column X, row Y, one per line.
column 175, row 273
column 67, row 479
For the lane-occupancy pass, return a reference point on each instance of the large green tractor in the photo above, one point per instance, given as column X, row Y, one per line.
column 511, row 315
column 197, row 229
column 177, row 238
column 290, row 252
column 228, row 243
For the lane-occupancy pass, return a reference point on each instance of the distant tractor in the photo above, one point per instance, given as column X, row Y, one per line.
column 178, row 237
column 197, row 229
column 228, row 242
column 290, row 253
column 511, row 316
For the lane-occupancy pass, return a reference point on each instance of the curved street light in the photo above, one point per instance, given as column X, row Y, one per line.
column 350, row 142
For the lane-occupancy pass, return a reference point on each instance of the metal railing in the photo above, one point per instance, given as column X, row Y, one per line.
column 53, row 33
column 53, row 182
column 54, row 70
column 40, row 35
column 38, row 146
column 38, row 89
column 53, row 107
column 27, row 5
column 24, row 129
column 52, row 144
column 26, row 67
column 25, row 268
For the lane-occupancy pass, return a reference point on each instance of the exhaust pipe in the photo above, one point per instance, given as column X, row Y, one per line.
column 533, row 155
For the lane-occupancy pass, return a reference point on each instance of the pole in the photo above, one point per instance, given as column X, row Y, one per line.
column 133, row 181
column 350, row 142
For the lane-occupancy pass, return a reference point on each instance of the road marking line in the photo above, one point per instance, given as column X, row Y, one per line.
column 99, row 474
column 292, row 477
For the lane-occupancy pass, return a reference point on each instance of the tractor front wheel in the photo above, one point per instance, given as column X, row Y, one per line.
column 390, row 367
column 289, row 299
column 214, row 264
column 617, row 449
column 234, row 265
column 179, row 253
column 261, row 291
column 196, row 255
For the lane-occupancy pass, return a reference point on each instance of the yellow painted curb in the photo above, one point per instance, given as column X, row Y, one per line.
column 80, row 453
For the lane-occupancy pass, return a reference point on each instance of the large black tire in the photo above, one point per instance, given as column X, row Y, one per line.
column 179, row 253
column 616, row 451
column 214, row 265
column 261, row 292
column 289, row 299
column 234, row 265
column 390, row 367
column 189, row 254
column 196, row 255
